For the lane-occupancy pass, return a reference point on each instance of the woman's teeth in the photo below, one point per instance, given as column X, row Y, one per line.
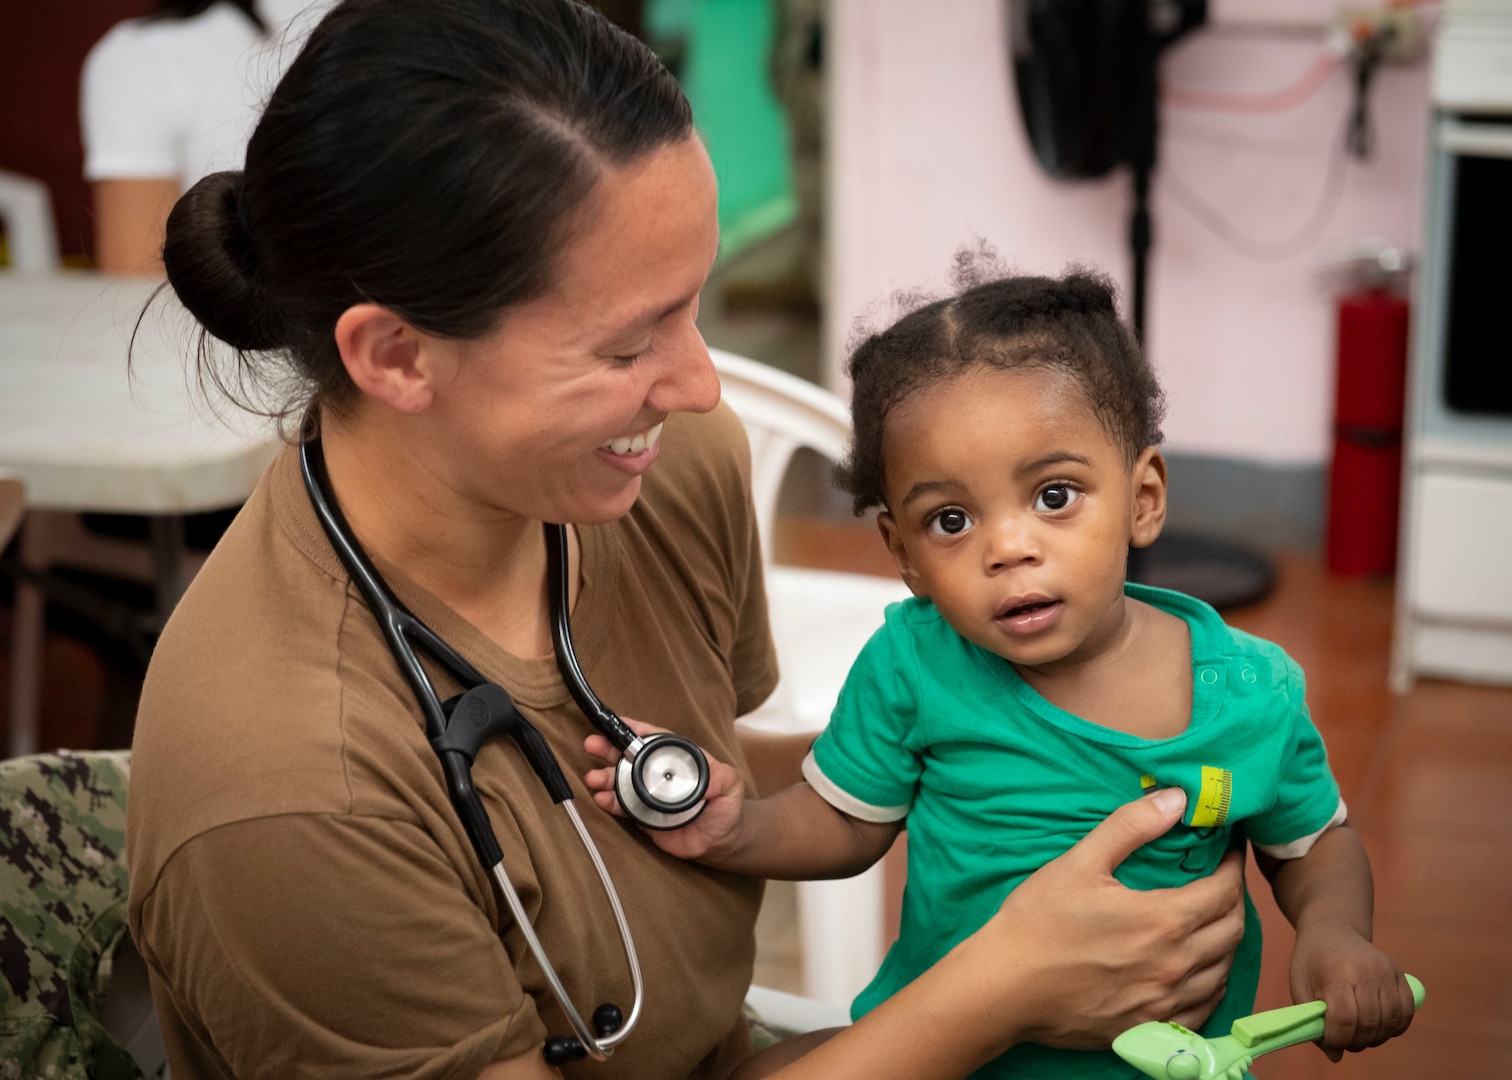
column 634, row 444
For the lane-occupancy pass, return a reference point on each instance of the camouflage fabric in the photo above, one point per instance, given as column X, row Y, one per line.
column 62, row 913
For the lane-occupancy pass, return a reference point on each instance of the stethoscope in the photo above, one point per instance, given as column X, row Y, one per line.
column 660, row 779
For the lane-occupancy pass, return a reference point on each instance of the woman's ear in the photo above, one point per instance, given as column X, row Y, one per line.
column 386, row 357
column 1147, row 508
column 894, row 540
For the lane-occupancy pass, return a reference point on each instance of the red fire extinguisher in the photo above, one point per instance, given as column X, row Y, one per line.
column 1365, row 477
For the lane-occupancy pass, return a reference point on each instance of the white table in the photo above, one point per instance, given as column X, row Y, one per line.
column 83, row 436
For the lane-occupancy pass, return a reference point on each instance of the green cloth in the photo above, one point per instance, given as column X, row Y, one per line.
column 995, row 782
column 726, row 79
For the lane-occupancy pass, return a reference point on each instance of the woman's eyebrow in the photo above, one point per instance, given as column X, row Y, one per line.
column 648, row 316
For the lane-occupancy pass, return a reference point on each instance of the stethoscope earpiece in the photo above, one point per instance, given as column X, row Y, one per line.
column 607, row 1019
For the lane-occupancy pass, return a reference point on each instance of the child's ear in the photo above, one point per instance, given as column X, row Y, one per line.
column 1147, row 511
column 894, row 540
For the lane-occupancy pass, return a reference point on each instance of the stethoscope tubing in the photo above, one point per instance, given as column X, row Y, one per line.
column 398, row 625
column 394, row 619
column 598, row 1047
column 650, row 810
column 599, row 715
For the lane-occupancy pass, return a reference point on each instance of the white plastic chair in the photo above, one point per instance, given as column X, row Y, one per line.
column 789, row 1014
column 31, row 234
column 820, row 621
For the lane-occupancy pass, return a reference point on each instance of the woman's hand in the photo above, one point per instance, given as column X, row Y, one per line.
column 1071, row 959
column 1100, row 957
column 711, row 832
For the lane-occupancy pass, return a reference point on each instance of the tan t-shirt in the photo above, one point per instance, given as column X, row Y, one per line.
column 300, row 887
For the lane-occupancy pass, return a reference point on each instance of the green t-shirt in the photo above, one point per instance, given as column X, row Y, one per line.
column 995, row 782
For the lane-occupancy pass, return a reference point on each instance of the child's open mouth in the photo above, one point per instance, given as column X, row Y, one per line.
column 1029, row 614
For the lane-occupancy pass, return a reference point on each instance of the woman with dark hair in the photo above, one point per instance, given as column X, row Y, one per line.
column 465, row 252
column 166, row 99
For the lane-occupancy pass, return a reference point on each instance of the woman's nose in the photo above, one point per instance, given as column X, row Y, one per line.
column 687, row 381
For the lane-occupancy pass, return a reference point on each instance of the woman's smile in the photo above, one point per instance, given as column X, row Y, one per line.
column 634, row 444
column 633, row 453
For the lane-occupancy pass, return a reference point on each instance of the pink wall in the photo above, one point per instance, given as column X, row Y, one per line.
column 928, row 153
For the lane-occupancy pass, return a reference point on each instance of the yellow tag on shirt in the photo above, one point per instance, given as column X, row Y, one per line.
column 1213, row 800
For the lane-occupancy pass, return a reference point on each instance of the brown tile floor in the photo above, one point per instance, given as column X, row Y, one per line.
column 1428, row 779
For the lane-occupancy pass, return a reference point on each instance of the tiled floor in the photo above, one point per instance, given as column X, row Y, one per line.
column 1428, row 779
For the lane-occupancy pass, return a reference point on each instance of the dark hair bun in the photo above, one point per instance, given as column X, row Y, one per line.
column 212, row 266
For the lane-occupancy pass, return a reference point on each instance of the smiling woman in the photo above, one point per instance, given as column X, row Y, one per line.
column 612, row 348
column 490, row 329
column 466, row 252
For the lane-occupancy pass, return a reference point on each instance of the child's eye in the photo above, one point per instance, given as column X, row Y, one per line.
column 950, row 522
column 1056, row 497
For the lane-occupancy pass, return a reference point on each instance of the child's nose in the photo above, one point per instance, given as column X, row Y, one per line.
column 1011, row 542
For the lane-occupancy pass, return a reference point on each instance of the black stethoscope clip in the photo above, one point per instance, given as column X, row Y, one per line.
column 486, row 712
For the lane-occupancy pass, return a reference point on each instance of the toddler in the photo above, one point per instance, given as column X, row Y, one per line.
column 1010, row 436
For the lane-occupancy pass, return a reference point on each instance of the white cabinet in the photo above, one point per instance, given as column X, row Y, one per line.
column 1454, row 603
column 1462, row 546
column 1454, row 596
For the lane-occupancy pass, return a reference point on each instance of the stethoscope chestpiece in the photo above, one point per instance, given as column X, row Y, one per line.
column 661, row 781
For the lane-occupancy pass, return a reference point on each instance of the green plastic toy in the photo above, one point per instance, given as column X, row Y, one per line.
column 1171, row 1052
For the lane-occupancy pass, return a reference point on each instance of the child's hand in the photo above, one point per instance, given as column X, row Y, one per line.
column 1368, row 997
column 711, row 832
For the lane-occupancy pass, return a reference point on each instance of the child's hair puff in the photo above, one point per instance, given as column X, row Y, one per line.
column 1067, row 324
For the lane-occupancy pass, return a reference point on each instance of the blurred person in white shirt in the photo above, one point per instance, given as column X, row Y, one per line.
column 169, row 98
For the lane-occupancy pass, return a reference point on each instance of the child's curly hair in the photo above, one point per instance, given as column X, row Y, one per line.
column 1067, row 324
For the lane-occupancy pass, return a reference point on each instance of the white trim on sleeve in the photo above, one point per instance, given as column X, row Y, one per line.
column 1301, row 846
column 843, row 800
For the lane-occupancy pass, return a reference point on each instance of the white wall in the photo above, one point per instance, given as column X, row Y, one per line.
column 928, row 152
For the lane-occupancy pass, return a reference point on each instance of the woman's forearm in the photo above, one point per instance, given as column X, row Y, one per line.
column 948, row 1022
